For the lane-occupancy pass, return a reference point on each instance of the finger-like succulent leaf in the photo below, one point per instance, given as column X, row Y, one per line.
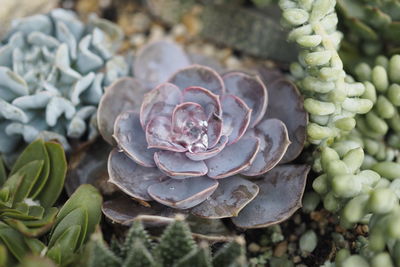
column 274, row 142
column 157, row 61
column 183, row 194
column 131, row 178
column 178, row 166
column 234, row 158
column 236, row 117
column 251, row 90
column 132, row 139
column 281, row 190
column 124, row 94
column 286, row 104
column 160, row 101
column 199, row 76
column 231, row 196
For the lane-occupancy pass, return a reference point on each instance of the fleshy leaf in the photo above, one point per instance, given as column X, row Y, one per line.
column 178, row 166
column 160, row 101
column 157, row 61
column 159, row 135
column 234, row 158
column 209, row 153
column 183, row 194
column 236, row 117
column 286, row 104
column 131, row 138
column 199, row 76
column 130, row 177
column 189, row 126
column 281, row 190
column 124, row 94
column 212, row 106
column 274, row 142
column 251, row 90
column 124, row 211
column 231, row 196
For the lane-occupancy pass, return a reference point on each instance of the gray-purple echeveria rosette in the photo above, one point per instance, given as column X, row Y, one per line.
column 194, row 140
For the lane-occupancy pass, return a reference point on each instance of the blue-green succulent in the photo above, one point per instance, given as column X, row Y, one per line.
column 53, row 70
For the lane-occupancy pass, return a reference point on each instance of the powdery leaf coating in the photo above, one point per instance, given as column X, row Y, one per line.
column 231, row 196
column 281, row 190
column 124, row 210
column 236, row 117
column 157, row 61
column 183, row 194
column 251, row 90
column 124, row 94
column 234, row 158
column 274, row 142
column 199, row 76
column 130, row 137
column 178, row 166
column 209, row 153
column 286, row 104
column 160, row 101
column 130, row 177
column 158, row 135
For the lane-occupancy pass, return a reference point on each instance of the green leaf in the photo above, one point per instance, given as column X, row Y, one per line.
column 58, row 170
column 35, row 245
column 3, row 256
column 35, row 151
column 135, row 233
column 175, row 243
column 77, row 217
column 230, row 253
column 30, row 173
column 66, row 244
column 199, row 257
column 36, row 261
column 139, row 256
column 14, row 241
column 10, row 188
column 88, row 198
column 3, row 173
column 97, row 254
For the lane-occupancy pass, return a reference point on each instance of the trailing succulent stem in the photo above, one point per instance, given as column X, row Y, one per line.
column 176, row 247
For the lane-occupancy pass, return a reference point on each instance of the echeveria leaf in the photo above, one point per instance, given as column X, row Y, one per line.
column 274, row 142
column 132, row 139
column 58, row 169
column 35, row 151
column 159, row 135
column 231, row 196
column 183, row 194
column 130, row 177
column 234, row 158
column 124, row 94
column 281, row 190
column 236, row 117
column 160, row 101
column 178, row 166
column 157, row 61
column 251, row 90
column 199, row 76
column 286, row 104
column 209, row 153
column 270, row 75
column 124, row 211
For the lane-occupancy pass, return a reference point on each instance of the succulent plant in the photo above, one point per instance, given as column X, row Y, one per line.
column 53, row 69
column 204, row 142
column 74, row 223
column 176, row 247
column 33, row 185
column 372, row 26
column 331, row 100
